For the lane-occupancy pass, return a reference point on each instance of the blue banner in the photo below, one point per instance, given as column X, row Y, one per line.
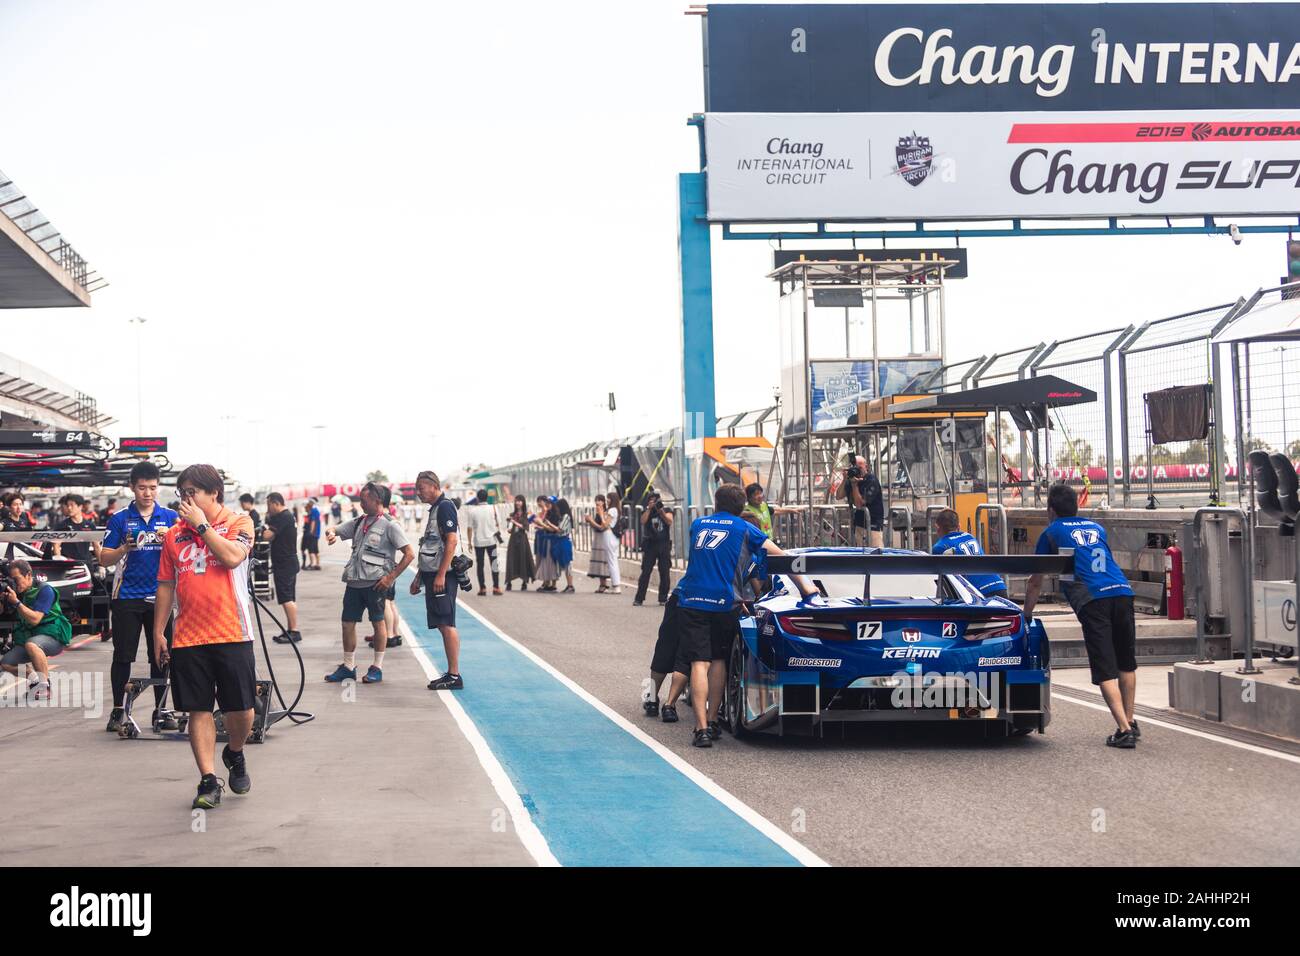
column 823, row 58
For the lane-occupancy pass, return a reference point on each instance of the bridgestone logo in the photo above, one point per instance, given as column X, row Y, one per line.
column 815, row 662
column 998, row 661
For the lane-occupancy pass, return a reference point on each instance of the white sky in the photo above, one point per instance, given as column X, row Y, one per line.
column 299, row 196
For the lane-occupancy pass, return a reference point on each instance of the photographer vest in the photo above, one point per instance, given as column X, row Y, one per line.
column 431, row 541
column 373, row 556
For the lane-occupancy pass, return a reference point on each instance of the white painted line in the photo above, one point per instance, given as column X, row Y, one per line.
column 529, row 835
column 1280, row 755
column 747, row 813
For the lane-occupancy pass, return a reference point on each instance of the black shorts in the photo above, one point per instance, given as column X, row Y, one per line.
column 286, row 583
column 368, row 599
column 1110, row 635
column 703, row 636
column 224, row 673
column 311, row 544
column 664, row 659
column 439, row 608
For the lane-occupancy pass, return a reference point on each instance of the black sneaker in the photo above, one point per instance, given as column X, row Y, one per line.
column 240, row 781
column 701, row 739
column 636, row 603
column 209, row 795
column 447, row 682
column 651, row 707
column 287, row 637
column 1133, row 726
column 668, row 714
column 394, row 641
column 114, row 721
column 1123, row 739
column 715, row 730
column 165, row 720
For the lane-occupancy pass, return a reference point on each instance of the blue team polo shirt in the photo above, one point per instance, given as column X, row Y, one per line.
column 1096, row 575
column 961, row 542
column 137, row 573
column 314, row 516
column 723, row 547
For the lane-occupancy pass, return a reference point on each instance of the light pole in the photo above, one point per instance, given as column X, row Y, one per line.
column 138, row 322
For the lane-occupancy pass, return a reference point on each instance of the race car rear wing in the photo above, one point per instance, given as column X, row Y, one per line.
column 44, row 537
column 36, row 538
column 844, row 563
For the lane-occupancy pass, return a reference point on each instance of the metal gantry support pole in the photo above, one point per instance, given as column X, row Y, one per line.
column 699, row 413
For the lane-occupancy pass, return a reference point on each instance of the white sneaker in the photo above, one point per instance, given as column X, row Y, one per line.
column 38, row 691
column 617, row 590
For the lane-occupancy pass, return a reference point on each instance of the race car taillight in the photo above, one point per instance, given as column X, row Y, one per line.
column 993, row 627
column 826, row 629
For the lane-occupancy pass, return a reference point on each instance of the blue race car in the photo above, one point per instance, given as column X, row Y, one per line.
column 892, row 636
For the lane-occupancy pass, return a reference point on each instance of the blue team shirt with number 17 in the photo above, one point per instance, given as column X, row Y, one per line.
column 722, row 548
column 1096, row 575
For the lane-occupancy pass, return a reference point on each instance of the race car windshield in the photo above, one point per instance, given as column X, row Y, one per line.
column 897, row 586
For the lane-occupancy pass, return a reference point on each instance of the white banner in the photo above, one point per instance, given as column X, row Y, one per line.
column 801, row 167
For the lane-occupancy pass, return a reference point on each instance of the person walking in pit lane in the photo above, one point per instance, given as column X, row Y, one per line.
column 1103, row 602
column 721, row 556
column 952, row 540
column 547, row 521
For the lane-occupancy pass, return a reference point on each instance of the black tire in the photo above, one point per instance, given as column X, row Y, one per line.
column 734, row 696
column 1021, row 725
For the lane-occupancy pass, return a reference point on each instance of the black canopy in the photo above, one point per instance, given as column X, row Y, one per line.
column 1041, row 390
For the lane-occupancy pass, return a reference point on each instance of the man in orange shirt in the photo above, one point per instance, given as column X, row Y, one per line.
column 204, row 566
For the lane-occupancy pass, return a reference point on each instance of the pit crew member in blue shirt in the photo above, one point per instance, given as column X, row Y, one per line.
column 133, row 541
column 722, row 550
column 1102, row 600
column 952, row 540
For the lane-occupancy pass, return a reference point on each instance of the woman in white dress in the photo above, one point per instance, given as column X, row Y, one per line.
column 598, row 556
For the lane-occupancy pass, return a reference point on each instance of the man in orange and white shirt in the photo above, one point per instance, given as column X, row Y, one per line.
column 204, row 567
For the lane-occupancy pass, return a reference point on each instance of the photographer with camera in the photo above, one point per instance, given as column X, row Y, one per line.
column 866, row 502
column 41, row 630
column 371, row 570
column 437, row 549
column 656, row 547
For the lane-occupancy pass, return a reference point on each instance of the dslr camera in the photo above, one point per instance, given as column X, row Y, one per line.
column 459, row 568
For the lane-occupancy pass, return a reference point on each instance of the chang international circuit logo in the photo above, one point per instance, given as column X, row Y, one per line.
column 915, row 156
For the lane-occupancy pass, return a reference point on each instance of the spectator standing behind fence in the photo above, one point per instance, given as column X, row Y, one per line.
column 866, row 501
column 603, row 563
column 41, row 630
column 484, row 533
column 519, row 556
column 656, row 548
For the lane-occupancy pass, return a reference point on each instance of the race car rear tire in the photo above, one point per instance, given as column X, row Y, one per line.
column 734, row 697
column 1022, row 725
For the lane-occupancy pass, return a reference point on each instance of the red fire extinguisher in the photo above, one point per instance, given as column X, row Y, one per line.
column 1174, row 603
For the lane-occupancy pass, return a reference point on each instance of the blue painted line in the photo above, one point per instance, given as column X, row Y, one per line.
column 599, row 796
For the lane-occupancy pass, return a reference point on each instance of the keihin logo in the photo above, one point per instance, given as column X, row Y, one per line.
column 76, row 909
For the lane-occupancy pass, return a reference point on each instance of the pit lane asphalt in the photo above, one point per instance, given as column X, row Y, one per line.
column 940, row 794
